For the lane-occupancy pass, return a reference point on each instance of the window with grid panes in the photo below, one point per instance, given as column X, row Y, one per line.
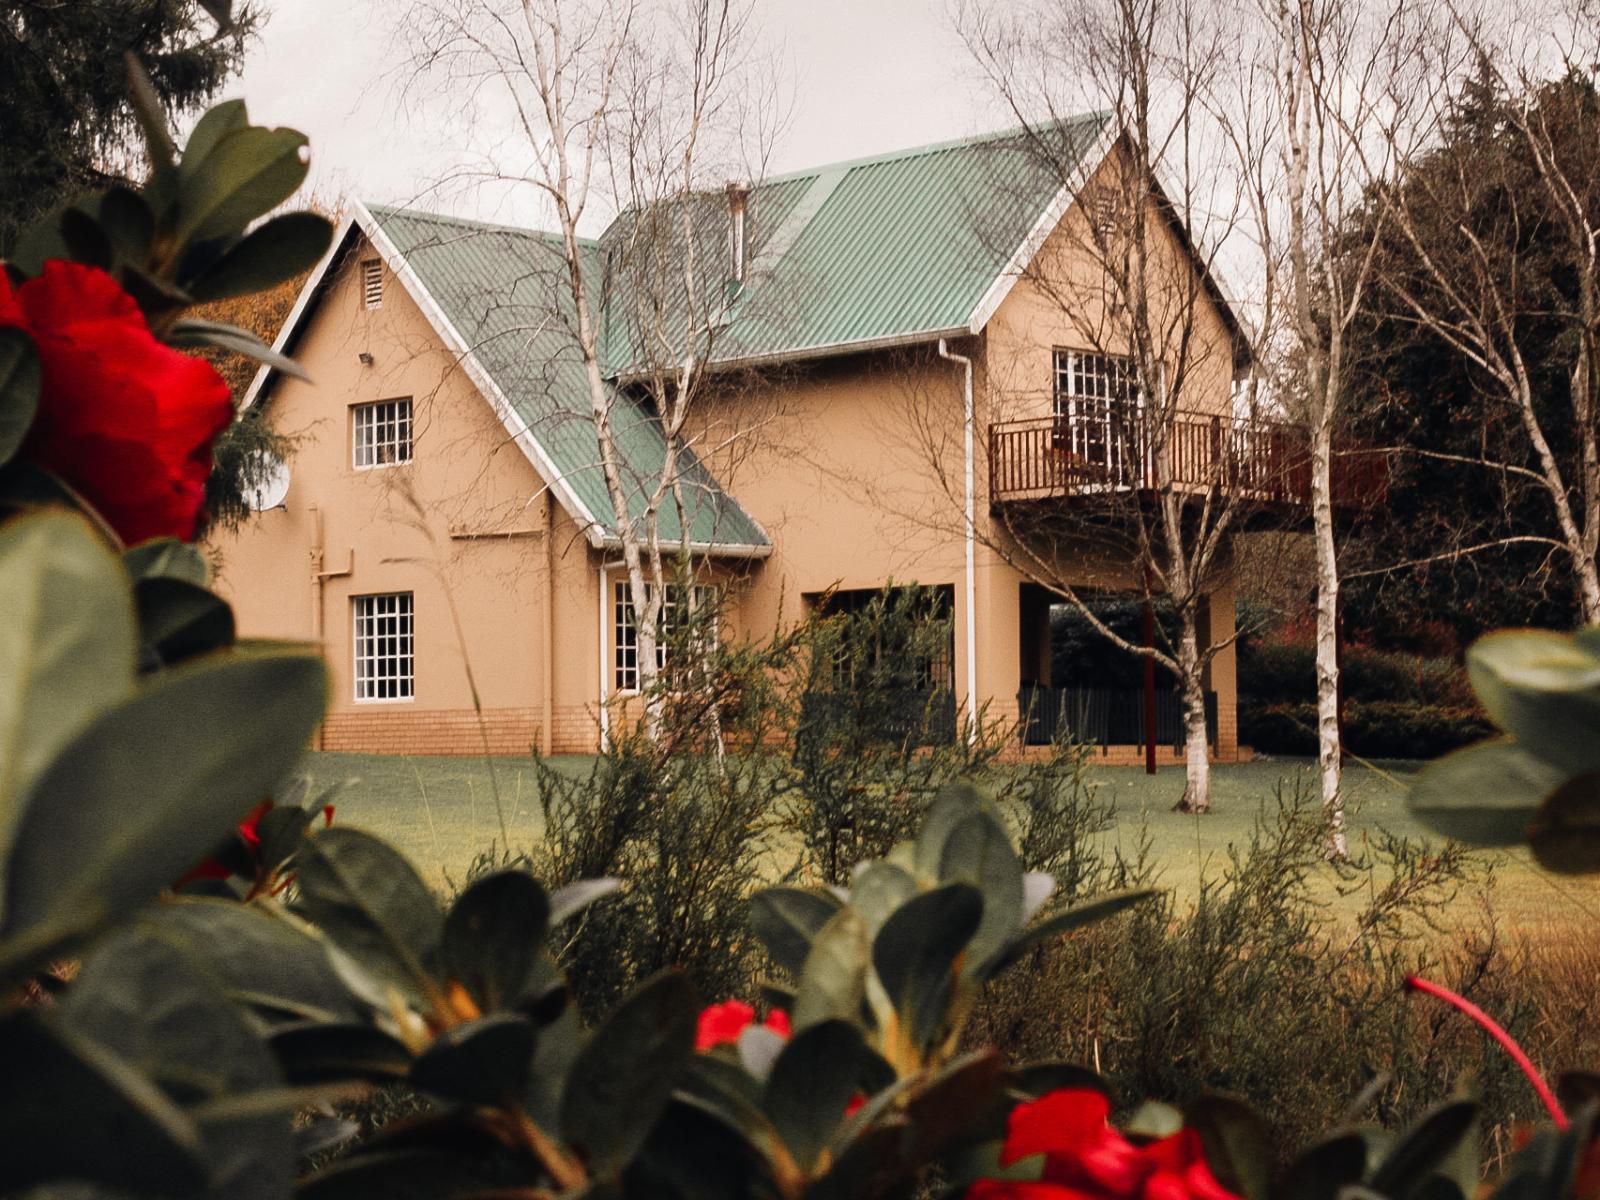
column 1097, row 405
column 384, row 646
column 380, row 434
column 625, row 635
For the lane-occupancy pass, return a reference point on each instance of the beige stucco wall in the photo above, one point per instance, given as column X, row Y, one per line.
column 852, row 465
column 465, row 524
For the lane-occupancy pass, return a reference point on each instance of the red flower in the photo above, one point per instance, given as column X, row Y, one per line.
column 723, row 1023
column 1086, row 1159
column 123, row 419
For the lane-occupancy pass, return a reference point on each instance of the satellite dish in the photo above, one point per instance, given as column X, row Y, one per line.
column 272, row 485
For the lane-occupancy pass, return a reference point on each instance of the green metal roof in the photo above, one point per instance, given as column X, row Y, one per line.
column 875, row 251
column 505, row 292
column 882, row 249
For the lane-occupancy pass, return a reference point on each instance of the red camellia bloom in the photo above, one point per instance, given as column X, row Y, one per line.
column 723, row 1023
column 123, row 419
column 1086, row 1159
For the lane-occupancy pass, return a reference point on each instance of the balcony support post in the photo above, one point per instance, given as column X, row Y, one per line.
column 1149, row 678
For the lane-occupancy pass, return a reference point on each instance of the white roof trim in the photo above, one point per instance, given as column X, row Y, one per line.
column 292, row 322
column 991, row 300
column 514, row 425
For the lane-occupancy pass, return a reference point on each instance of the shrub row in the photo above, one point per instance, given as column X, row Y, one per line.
column 1372, row 728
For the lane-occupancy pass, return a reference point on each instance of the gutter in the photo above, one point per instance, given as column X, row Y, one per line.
column 968, row 421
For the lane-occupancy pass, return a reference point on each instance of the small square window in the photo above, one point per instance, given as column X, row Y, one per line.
column 380, row 434
column 372, row 283
column 384, row 646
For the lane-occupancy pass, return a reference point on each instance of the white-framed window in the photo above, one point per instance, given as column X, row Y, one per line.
column 672, row 619
column 385, row 646
column 371, row 283
column 1098, row 408
column 380, row 434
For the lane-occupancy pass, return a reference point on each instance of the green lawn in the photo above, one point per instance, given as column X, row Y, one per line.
column 441, row 812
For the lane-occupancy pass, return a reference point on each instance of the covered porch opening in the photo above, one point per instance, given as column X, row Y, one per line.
column 1076, row 682
column 892, row 663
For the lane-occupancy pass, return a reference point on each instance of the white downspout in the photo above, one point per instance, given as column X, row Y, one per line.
column 971, row 539
column 605, row 712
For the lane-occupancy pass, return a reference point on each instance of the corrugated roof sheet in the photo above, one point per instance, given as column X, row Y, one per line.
column 886, row 248
column 505, row 291
column 883, row 249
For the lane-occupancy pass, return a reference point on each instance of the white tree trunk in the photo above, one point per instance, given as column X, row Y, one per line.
column 1197, row 760
column 1329, row 750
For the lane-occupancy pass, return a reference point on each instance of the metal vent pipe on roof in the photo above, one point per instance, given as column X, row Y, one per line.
column 738, row 203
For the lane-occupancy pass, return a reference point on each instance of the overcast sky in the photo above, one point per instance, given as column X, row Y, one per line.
column 863, row 76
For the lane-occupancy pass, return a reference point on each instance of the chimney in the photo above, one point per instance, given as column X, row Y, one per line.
column 738, row 202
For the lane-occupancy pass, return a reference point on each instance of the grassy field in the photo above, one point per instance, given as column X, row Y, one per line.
column 441, row 812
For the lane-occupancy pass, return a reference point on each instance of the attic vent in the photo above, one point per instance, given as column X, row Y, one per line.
column 372, row 283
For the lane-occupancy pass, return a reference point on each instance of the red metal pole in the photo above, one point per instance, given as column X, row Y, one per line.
column 1149, row 684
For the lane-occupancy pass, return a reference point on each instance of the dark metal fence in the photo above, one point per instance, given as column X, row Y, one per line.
column 926, row 716
column 1105, row 716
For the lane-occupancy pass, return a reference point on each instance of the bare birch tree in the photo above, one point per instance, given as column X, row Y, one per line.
column 1338, row 73
column 1492, row 239
column 1171, row 496
column 640, row 109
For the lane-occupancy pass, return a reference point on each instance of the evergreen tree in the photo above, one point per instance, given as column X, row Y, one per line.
column 65, row 122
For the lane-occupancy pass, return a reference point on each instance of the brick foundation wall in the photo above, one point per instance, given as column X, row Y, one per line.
column 399, row 729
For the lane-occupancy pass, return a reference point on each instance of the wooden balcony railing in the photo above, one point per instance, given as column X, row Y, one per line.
column 1105, row 450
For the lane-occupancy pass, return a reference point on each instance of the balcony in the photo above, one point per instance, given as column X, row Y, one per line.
column 1102, row 450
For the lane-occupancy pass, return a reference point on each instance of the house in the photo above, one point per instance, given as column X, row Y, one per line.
column 895, row 379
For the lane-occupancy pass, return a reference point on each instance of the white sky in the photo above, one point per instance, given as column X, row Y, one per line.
column 863, row 76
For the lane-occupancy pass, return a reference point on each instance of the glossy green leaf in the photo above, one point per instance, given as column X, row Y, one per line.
column 978, row 851
column 1565, row 832
column 214, row 124
column 19, row 390
column 144, row 998
column 954, row 803
column 486, row 1061
column 568, row 901
column 786, row 919
column 123, row 1132
column 128, row 222
column 725, row 1163
column 247, row 173
column 420, row 1172
column 215, row 735
column 317, row 1052
column 1238, row 1146
column 193, row 333
column 1543, row 688
column 86, row 241
column 878, row 890
column 167, row 558
column 833, row 978
column 811, row 1085
column 178, row 620
column 917, row 953
column 1485, row 794
column 492, row 935
column 370, row 903
column 1076, row 916
column 950, row 1109
column 1423, row 1149
column 66, row 647
column 39, row 241
column 274, row 251
column 1324, row 1170
column 261, row 960
column 621, row 1079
